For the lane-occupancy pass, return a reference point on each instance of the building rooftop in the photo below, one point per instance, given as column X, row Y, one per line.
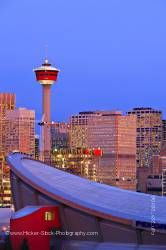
column 101, row 112
column 25, row 211
column 144, row 109
column 88, row 196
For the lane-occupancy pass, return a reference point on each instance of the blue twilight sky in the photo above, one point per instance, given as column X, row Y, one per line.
column 111, row 53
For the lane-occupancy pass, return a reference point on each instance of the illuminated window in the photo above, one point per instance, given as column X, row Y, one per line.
column 49, row 216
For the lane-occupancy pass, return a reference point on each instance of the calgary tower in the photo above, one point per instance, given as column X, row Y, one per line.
column 46, row 75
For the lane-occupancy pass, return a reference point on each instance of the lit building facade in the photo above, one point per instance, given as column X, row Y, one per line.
column 159, row 171
column 37, row 147
column 115, row 134
column 20, row 131
column 7, row 102
column 153, row 180
column 149, row 134
column 78, row 161
column 59, row 135
column 164, row 130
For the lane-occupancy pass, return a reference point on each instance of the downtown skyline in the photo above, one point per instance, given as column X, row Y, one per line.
column 111, row 55
column 83, row 124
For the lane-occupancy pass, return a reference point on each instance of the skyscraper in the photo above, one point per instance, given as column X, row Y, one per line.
column 150, row 180
column 149, row 134
column 115, row 134
column 37, row 150
column 59, row 135
column 164, row 130
column 20, row 131
column 7, row 102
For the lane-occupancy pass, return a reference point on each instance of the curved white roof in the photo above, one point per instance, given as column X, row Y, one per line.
column 88, row 196
column 46, row 66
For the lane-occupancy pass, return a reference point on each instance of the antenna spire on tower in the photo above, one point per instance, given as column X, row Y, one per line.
column 46, row 52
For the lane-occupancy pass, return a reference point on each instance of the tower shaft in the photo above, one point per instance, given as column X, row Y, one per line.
column 46, row 137
column 46, row 102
